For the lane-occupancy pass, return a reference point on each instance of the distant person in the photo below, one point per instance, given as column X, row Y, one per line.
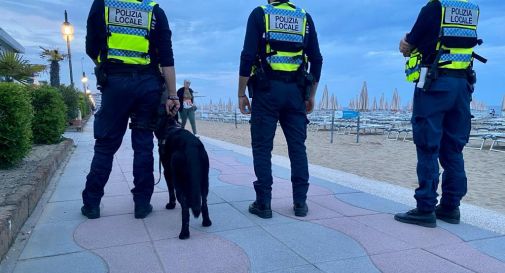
column 188, row 107
column 492, row 113
column 440, row 47
column 128, row 49
column 283, row 92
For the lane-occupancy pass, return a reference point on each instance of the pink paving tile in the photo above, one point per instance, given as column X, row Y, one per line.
column 318, row 190
column 111, row 231
column 228, row 160
column 238, row 179
column 413, row 235
column 415, row 261
column 375, row 242
column 467, row 256
column 284, row 206
column 131, row 258
column 202, row 253
column 165, row 224
column 332, row 203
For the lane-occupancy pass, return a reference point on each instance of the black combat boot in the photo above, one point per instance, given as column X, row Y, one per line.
column 301, row 209
column 451, row 216
column 261, row 210
column 416, row 217
column 141, row 211
column 91, row 212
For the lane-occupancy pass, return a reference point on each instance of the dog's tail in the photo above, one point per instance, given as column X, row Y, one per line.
column 195, row 178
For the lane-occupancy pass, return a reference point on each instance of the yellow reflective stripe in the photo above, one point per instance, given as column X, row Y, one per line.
column 131, row 60
column 129, row 42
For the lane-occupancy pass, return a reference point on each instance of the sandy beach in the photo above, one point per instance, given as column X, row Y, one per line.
column 380, row 159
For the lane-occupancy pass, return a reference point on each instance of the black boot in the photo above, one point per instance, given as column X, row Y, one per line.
column 141, row 211
column 261, row 210
column 301, row 209
column 91, row 212
column 451, row 216
column 416, row 217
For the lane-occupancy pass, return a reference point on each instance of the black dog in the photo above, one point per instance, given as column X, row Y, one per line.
column 186, row 169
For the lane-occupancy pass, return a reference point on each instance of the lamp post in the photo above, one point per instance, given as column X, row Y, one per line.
column 67, row 30
column 84, row 81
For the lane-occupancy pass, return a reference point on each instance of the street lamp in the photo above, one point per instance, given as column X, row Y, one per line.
column 84, row 81
column 67, row 30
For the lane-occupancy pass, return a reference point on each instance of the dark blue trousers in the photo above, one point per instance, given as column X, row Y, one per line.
column 441, row 124
column 125, row 95
column 282, row 102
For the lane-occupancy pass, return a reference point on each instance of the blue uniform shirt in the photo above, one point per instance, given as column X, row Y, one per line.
column 254, row 44
column 424, row 34
column 160, row 39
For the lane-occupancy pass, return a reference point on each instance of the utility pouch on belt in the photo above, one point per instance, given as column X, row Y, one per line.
column 305, row 82
column 101, row 76
column 472, row 76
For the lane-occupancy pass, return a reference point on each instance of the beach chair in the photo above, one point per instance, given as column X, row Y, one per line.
column 497, row 140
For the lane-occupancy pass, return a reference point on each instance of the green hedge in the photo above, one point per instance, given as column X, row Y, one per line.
column 85, row 105
column 71, row 99
column 15, row 124
column 50, row 114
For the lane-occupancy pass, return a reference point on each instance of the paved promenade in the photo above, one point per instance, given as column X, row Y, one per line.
column 346, row 230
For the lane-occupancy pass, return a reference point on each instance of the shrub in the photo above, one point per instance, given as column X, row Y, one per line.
column 85, row 105
column 15, row 124
column 71, row 99
column 49, row 120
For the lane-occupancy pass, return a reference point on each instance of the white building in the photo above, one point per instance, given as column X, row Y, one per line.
column 7, row 43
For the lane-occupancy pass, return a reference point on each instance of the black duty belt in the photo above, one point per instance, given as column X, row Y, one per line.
column 283, row 76
column 456, row 73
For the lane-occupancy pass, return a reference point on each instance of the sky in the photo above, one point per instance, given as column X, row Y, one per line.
column 358, row 39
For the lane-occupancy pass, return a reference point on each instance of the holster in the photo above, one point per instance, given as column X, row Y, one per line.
column 101, row 76
column 305, row 82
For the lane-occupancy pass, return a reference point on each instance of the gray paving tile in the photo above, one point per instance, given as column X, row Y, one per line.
column 115, row 189
column 332, row 203
column 116, row 205
column 67, row 193
column 494, row 247
column 467, row 232
column 415, row 261
column 375, row 242
column 276, row 219
column 353, row 265
column 372, row 202
column 214, row 172
column 51, row 239
column 82, row 262
column 468, row 257
column 316, row 243
column 62, row 211
column 413, row 235
column 233, row 193
column 165, row 224
column 334, row 187
column 223, row 217
column 299, row 269
column 202, row 253
column 245, row 160
column 281, row 172
column 111, row 231
column 285, row 207
column 215, row 182
column 131, row 258
column 265, row 252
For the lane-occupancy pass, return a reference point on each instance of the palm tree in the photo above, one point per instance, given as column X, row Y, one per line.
column 54, row 56
column 14, row 68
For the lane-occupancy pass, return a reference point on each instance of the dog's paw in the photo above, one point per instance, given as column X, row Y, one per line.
column 184, row 235
column 207, row 223
column 170, row 206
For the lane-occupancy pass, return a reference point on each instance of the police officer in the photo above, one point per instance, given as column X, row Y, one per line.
column 128, row 40
column 440, row 47
column 279, row 41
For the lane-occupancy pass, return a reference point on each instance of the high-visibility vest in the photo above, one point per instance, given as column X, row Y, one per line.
column 128, row 25
column 286, row 26
column 458, row 37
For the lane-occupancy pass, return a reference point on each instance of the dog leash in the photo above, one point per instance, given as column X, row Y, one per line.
column 159, row 162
